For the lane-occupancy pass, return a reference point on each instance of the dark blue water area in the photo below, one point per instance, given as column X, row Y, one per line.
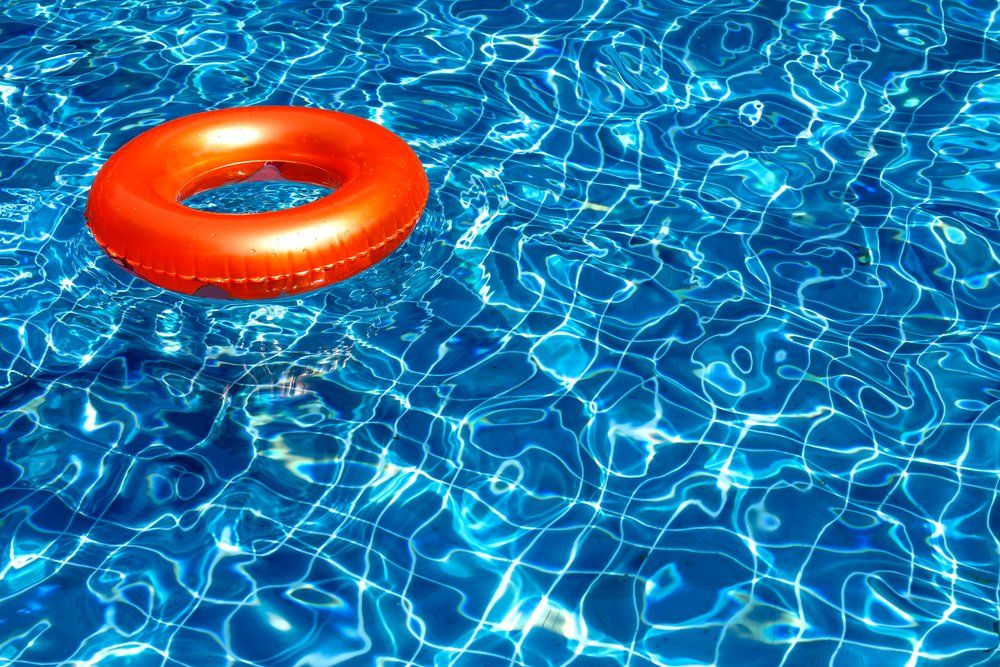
column 694, row 358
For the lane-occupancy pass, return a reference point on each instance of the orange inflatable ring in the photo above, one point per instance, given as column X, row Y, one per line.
column 134, row 208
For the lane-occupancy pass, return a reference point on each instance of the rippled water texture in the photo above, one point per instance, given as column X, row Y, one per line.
column 692, row 361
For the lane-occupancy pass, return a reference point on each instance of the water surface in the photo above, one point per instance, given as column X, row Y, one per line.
column 693, row 359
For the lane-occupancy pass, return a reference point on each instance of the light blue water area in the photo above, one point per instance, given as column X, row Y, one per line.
column 256, row 196
column 693, row 359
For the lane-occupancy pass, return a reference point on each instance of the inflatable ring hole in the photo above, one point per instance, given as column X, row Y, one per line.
column 257, row 187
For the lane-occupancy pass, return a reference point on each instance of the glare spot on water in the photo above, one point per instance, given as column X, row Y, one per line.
column 278, row 623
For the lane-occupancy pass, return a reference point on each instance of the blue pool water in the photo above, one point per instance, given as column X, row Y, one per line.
column 693, row 360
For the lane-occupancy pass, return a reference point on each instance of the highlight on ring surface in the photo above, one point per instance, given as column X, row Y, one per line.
column 135, row 212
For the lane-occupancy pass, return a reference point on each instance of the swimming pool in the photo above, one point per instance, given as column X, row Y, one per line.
column 693, row 359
